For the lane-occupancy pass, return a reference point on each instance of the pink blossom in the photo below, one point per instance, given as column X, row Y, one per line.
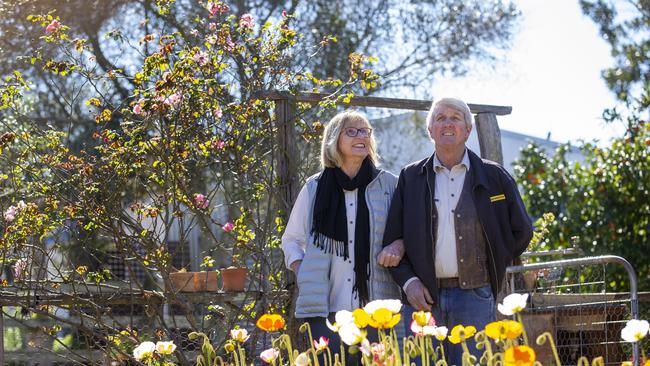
column 218, row 144
column 52, row 26
column 10, row 214
column 137, row 109
column 217, row 8
column 194, row 32
column 269, row 355
column 212, row 26
column 175, row 99
column 246, row 21
column 171, row 101
column 217, row 112
column 200, row 58
column 228, row 227
column 19, row 268
column 284, row 13
column 12, row 211
column 201, row 201
column 321, row 344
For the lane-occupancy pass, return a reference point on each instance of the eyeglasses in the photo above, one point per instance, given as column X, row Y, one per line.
column 354, row 132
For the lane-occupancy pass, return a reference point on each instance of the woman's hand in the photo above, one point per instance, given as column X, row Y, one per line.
column 295, row 266
column 391, row 254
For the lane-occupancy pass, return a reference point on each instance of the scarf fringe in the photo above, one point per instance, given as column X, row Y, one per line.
column 331, row 246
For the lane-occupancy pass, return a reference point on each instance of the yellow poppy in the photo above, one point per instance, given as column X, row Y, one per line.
column 361, row 318
column 383, row 318
column 519, row 356
column 422, row 318
column 504, row 329
column 460, row 333
column 270, row 322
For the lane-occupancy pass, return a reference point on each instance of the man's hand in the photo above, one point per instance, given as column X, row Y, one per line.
column 418, row 296
column 295, row 266
column 391, row 254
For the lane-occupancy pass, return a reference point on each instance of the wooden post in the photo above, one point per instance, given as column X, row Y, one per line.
column 287, row 173
column 285, row 114
column 489, row 136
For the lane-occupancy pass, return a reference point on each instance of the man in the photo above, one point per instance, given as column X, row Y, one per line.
column 462, row 221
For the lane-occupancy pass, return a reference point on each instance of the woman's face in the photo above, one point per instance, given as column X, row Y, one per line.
column 357, row 147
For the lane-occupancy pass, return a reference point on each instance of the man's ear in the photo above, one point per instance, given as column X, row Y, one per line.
column 430, row 132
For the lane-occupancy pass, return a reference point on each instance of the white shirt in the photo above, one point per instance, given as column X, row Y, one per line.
column 449, row 186
column 341, row 276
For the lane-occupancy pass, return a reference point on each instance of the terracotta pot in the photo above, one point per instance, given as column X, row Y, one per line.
column 234, row 279
column 182, row 281
column 206, row 281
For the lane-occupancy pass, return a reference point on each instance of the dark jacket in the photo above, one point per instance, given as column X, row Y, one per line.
column 506, row 225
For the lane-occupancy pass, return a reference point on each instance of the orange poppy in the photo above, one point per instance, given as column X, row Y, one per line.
column 270, row 322
column 519, row 356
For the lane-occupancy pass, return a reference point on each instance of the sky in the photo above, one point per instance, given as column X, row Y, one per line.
column 551, row 76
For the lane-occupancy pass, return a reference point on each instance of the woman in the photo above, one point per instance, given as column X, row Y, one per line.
column 334, row 234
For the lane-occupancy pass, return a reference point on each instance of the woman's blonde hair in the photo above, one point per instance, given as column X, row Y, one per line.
column 330, row 156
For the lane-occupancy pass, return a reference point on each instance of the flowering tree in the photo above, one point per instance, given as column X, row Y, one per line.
column 189, row 153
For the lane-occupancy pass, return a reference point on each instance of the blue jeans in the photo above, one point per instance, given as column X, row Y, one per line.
column 457, row 306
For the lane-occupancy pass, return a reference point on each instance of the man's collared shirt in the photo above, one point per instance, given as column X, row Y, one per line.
column 449, row 185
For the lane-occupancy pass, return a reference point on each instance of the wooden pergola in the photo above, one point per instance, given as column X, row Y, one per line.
column 487, row 128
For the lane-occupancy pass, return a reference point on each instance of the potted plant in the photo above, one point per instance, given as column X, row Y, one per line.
column 182, row 281
column 207, row 280
column 234, row 277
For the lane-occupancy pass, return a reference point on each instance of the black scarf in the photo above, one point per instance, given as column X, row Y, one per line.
column 329, row 224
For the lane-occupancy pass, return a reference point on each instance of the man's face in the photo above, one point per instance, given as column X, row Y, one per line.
column 448, row 128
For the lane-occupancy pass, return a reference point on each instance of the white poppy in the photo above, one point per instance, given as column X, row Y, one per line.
column 341, row 318
column 513, row 304
column 635, row 330
column 393, row 305
column 144, row 350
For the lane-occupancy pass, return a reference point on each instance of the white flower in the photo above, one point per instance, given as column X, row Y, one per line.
column 426, row 330
column 240, row 335
column 165, row 348
column 440, row 333
column 350, row 334
column 269, row 355
column 635, row 330
column 144, row 350
column 513, row 304
column 302, row 360
column 365, row 347
column 393, row 305
column 341, row 318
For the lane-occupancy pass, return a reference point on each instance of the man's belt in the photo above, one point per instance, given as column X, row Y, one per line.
column 447, row 282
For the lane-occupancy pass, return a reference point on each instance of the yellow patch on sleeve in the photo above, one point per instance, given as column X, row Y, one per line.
column 498, row 197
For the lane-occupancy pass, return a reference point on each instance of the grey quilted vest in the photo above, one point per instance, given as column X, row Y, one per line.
column 313, row 286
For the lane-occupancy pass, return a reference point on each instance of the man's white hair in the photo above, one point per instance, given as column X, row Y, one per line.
column 454, row 103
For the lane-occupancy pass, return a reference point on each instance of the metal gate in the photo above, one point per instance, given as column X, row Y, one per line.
column 570, row 299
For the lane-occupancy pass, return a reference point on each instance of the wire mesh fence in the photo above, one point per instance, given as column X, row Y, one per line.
column 572, row 300
column 74, row 334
